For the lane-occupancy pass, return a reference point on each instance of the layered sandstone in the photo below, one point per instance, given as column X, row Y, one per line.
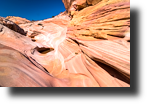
column 17, row 20
column 10, row 24
column 86, row 46
column 102, row 21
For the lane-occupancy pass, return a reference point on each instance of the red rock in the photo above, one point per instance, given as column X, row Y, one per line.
column 17, row 20
column 91, row 48
column 110, row 20
column 12, row 25
column 17, row 71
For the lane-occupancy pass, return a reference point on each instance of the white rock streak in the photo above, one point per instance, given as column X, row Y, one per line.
column 54, row 40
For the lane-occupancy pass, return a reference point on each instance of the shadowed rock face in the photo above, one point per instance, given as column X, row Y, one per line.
column 87, row 46
column 10, row 24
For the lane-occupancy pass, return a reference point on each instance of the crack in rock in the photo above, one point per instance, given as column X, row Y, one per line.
column 1, row 29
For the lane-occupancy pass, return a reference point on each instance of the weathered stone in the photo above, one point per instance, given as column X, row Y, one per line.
column 93, row 2
column 91, row 48
column 113, row 20
column 12, row 26
column 18, row 20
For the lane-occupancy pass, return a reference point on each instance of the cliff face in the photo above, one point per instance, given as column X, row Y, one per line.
column 88, row 45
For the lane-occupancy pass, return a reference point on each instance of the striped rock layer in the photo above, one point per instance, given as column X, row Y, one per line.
column 88, row 45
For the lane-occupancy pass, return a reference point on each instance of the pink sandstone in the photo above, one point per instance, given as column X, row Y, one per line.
column 88, row 45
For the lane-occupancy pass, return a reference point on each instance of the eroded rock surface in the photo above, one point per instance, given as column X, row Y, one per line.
column 102, row 21
column 10, row 24
column 17, row 20
column 86, row 46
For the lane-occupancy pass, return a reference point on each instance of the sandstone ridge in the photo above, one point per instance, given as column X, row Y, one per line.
column 88, row 45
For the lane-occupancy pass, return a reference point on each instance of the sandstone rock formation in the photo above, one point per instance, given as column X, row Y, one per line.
column 88, row 45
column 102, row 20
column 17, row 20
column 12, row 25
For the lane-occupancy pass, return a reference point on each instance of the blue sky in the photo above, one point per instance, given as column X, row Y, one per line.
column 31, row 9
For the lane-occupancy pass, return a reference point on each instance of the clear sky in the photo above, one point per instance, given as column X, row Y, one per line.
column 31, row 9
